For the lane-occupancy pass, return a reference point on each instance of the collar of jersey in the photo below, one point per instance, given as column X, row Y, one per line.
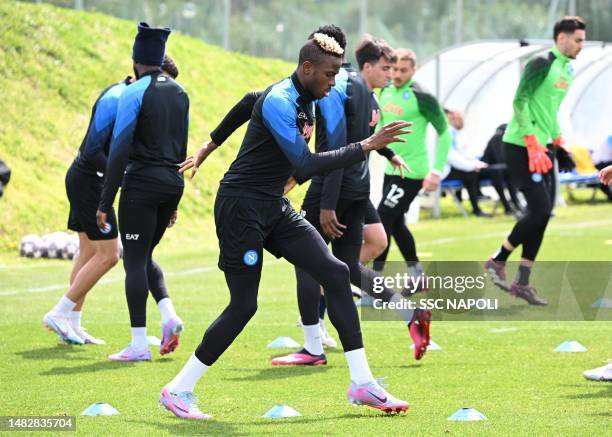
column 560, row 56
column 405, row 86
column 150, row 73
column 300, row 89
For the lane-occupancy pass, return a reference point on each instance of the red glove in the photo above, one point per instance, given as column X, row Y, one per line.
column 559, row 141
column 539, row 162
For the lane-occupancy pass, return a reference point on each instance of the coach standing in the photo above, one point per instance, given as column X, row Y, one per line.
column 148, row 144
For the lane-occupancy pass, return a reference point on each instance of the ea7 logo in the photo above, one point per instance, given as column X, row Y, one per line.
column 132, row 236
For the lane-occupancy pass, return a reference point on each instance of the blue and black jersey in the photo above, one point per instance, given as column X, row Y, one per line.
column 275, row 145
column 349, row 114
column 93, row 151
column 149, row 139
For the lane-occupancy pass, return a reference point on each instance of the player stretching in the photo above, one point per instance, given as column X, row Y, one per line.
column 251, row 215
column 543, row 85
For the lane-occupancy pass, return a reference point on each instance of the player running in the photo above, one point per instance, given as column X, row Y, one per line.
column 149, row 142
column 251, row 214
column 98, row 251
column 405, row 99
column 543, row 85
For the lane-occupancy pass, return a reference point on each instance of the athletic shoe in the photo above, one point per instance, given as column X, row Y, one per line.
column 183, row 404
column 87, row 337
column 603, row 373
column 419, row 331
column 497, row 271
column 356, row 292
column 61, row 325
column 373, row 395
column 131, row 354
column 528, row 293
column 326, row 339
column 171, row 330
column 301, row 358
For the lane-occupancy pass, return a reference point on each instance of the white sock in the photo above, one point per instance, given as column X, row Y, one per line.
column 188, row 377
column 405, row 313
column 139, row 338
column 312, row 339
column 166, row 309
column 64, row 306
column 75, row 319
column 358, row 366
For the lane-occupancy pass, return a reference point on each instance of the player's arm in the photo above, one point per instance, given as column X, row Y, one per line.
column 128, row 109
column 432, row 111
column 279, row 116
column 100, row 131
column 236, row 117
column 533, row 75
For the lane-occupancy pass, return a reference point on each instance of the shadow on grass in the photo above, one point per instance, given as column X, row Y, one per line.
column 88, row 368
column 192, row 427
column 277, row 372
column 605, row 392
column 49, row 353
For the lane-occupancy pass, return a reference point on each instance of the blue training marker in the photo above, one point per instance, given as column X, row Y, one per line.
column 283, row 342
column 280, row 412
column 100, row 409
column 570, row 346
column 467, row 415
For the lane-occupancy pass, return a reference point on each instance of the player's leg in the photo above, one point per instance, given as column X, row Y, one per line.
column 374, row 236
column 138, row 222
column 172, row 325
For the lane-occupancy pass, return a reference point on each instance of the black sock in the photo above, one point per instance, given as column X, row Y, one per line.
column 502, row 254
column 322, row 307
column 522, row 276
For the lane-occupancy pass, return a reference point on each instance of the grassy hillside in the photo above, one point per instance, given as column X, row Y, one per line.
column 55, row 63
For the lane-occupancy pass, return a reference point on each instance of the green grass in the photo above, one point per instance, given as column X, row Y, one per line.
column 56, row 61
column 514, row 378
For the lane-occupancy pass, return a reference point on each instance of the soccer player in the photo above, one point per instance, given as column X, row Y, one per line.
column 251, row 215
column 149, row 142
column 543, row 85
column 335, row 203
column 98, row 251
column 406, row 100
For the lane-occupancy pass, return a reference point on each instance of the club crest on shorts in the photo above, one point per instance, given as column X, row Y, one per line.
column 250, row 258
column 106, row 230
column 536, row 177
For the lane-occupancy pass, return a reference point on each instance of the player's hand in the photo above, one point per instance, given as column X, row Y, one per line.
column 431, row 182
column 101, row 221
column 399, row 164
column 173, row 219
column 196, row 160
column 565, row 159
column 390, row 133
column 605, row 175
column 291, row 182
column 480, row 165
column 539, row 162
column 330, row 224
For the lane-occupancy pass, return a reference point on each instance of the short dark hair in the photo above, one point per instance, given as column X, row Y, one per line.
column 331, row 30
column 311, row 51
column 371, row 49
column 168, row 66
column 568, row 24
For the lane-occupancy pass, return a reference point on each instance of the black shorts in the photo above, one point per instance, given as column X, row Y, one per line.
column 348, row 212
column 84, row 192
column 398, row 194
column 517, row 164
column 247, row 226
column 371, row 214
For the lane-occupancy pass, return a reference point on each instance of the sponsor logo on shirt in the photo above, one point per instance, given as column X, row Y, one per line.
column 390, row 107
column 562, row 83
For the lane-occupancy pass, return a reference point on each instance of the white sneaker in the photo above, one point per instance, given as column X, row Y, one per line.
column 603, row 373
column 326, row 339
column 87, row 337
column 61, row 325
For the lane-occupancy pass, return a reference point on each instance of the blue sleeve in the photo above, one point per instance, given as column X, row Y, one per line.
column 279, row 116
column 101, row 127
column 128, row 109
column 332, row 109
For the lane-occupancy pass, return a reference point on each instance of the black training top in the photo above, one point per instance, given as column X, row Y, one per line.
column 275, row 145
column 149, row 138
column 93, row 151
